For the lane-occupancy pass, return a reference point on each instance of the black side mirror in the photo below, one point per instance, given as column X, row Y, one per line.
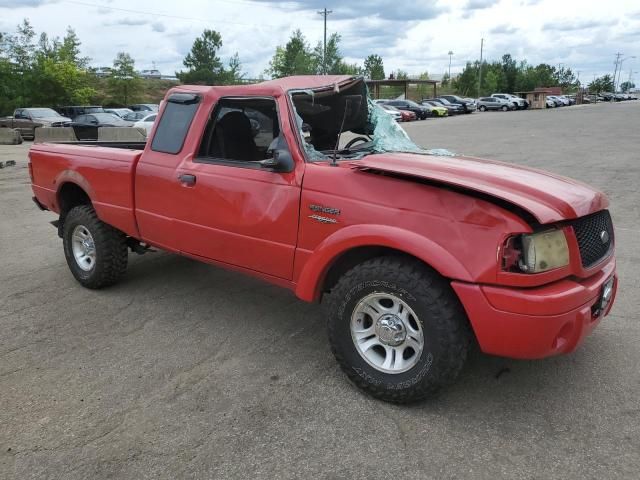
column 282, row 161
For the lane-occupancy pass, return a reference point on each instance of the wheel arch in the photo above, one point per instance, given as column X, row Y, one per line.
column 71, row 193
column 355, row 244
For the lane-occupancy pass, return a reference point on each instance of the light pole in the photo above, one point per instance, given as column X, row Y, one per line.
column 450, row 55
column 324, row 13
column 631, row 73
column 480, row 67
column 615, row 82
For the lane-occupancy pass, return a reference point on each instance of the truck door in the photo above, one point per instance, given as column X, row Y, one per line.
column 22, row 122
column 224, row 204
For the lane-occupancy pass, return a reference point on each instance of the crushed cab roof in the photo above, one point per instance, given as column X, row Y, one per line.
column 285, row 84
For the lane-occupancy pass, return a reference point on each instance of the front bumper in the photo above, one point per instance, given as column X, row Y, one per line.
column 536, row 322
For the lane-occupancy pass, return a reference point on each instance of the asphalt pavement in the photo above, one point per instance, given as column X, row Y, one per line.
column 184, row 370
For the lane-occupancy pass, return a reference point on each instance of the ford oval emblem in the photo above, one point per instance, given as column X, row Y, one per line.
column 604, row 237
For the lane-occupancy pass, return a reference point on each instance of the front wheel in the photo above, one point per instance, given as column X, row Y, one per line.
column 505, row 108
column 96, row 252
column 482, row 108
column 397, row 329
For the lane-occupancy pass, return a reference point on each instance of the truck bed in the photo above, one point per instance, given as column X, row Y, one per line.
column 105, row 173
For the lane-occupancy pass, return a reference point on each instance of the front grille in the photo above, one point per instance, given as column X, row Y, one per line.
column 594, row 243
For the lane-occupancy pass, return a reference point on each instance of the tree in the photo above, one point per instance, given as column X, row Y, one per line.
column 565, row 78
column 373, row 67
column 489, row 82
column 509, row 67
column 331, row 62
column 601, row 84
column 21, row 53
column 233, row 75
column 124, row 82
column 401, row 75
column 203, row 64
column 295, row 58
column 69, row 50
column 204, row 67
column 467, row 82
column 626, row 86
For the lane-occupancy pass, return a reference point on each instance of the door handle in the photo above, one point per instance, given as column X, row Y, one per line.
column 187, row 179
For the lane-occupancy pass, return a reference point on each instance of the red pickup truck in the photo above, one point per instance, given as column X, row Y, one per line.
column 307, row 184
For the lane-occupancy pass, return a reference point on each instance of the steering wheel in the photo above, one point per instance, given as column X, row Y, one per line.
column 355, row 140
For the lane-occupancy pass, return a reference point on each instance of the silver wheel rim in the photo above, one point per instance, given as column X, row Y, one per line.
column 387, row 333
column 83, row 248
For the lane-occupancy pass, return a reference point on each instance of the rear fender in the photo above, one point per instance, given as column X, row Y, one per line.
column 311, row 279
column 72, row 176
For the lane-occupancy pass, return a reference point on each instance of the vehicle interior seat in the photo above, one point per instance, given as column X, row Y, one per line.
column 234, row 138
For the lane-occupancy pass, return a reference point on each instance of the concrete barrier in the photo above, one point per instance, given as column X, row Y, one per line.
column 121, row 134
column 54, row 134
column 10, row 136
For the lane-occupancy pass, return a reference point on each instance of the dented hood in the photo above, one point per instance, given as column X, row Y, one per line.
column 548, row 197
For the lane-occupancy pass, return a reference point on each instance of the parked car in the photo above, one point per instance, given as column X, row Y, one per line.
column 100, row 119
column 518, row 102
column 420, row 111
column 147, row 123
column 494, row 103
column 75, row 111
column 144, row 107
column 26, row 120
column 550, row 103
column 408, row 115
column 556, row 100
column 468, row 104
column 393, row 111
column 121, row 112
column 136, row 116
column 435, row 109
column 519, row 262
column 453, row 109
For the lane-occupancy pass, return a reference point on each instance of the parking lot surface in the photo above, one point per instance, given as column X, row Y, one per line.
column 184, row 370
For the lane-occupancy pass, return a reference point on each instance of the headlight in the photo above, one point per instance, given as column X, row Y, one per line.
column 536, row 252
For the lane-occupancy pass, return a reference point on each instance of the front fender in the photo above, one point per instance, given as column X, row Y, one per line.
column 312, row 276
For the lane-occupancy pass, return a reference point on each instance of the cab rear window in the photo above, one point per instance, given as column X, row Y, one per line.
column 175, row 122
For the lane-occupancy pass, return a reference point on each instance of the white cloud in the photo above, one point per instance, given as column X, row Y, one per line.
column 413, row 37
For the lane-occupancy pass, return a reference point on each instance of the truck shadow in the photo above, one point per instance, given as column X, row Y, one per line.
column 250, row 311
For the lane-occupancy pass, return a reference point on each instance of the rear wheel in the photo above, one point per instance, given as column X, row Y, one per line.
column 96, row 252
column 397, row 329
column 505, row 108
column 482, row 108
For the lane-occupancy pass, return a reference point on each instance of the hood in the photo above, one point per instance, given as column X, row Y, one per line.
column 52, row 119
column 548, row 197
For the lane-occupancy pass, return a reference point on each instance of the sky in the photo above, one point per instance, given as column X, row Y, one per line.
column 414, row 36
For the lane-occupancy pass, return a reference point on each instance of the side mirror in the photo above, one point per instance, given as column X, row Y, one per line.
column 282, row 161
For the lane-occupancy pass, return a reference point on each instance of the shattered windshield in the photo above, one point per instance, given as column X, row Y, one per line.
column 344, row 123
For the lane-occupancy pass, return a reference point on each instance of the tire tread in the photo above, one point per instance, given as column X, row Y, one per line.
column 429, row 287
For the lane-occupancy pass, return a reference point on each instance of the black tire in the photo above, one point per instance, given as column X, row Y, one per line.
column 505, row 108
column 482, row 108
column 442, row 319
column 111, row 253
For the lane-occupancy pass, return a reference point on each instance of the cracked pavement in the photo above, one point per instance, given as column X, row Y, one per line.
column 184, row 370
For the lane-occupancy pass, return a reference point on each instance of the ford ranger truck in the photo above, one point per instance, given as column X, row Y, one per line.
column 305, row 183
column 26, row 120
